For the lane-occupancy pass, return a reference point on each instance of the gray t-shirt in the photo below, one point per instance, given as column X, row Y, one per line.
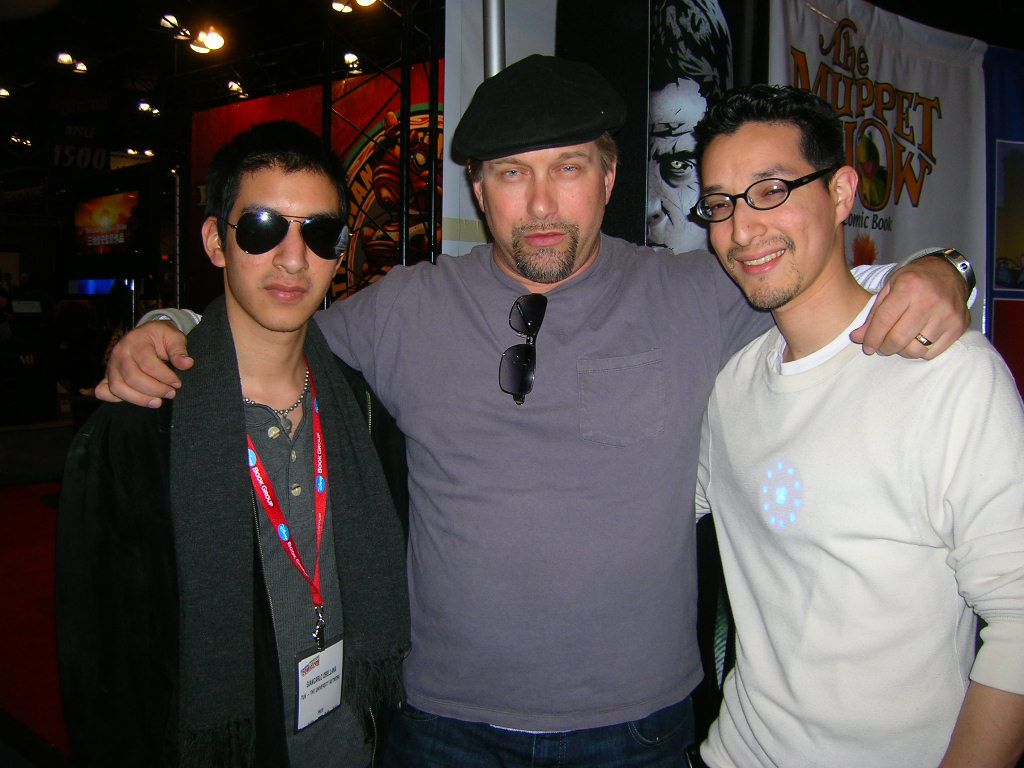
column 552, row 571
column 338, row 738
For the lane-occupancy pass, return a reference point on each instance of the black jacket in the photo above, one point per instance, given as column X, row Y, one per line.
column 119, row 616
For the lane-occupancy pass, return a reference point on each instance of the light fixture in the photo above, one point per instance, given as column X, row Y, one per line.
column 366, row 3
column 131, row 151
column 169, row 21
column 79, row 68
column 351, row 58
column 144, row 106
column 148, row 153
column 4, row 93
column 236, row 87
column 342, row 7
column 154, row 111
column 214, row 40
column 64, row 58
column 199, row 44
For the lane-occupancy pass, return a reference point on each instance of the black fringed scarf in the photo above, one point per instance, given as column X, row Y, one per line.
column 213, row 520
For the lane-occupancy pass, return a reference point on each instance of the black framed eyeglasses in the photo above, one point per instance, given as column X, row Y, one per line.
column 762, row 195
column 258, row 231
column 519, row 362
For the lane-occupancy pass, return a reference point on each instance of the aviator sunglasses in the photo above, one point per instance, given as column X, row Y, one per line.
column 519, row 362
column 258, row 231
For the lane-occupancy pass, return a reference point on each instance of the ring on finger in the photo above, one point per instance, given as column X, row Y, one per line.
column 925, row 341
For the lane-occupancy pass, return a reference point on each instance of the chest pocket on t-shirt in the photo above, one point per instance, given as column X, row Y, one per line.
column 622, row 399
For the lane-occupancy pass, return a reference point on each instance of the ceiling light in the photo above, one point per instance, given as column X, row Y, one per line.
column 235, row 86
column 169, row 21
column 64, row 58
column 148, row 153
column 144, row 106
column 154, row 111
column 351, row 58
column 213, row 40
column 197, row 44
column 132, row 151
column 4, row 93
column 342, row 7
column 80, row 67
column 365, row 3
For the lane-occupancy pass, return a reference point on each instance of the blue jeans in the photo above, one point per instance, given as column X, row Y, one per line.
column 421, row 740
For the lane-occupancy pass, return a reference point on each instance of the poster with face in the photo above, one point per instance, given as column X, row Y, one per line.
column 691, row 67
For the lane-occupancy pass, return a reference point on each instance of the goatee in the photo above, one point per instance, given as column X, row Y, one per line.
column 546, row 264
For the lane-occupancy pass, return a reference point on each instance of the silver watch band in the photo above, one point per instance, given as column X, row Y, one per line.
column 960, row 263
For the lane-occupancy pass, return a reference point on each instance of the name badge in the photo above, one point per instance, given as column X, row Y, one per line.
column 319, row 690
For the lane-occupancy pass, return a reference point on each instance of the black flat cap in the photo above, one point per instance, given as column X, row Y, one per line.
column 537, row 103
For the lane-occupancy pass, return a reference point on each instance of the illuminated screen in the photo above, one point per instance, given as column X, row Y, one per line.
column 90, row 287
column 107, row 225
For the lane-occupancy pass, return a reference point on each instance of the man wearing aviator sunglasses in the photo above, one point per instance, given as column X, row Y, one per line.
column 551, row 553
column 866, row 507
column 231, row 582
column 258, row 231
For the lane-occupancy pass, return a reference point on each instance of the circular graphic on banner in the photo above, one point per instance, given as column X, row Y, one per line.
column 374, row 177
column 873, row 152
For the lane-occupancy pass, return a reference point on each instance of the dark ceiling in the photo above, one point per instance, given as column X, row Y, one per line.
column 270, row 48
column 996, row 22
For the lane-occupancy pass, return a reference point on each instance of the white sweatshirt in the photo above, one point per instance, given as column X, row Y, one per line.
column 864, row 507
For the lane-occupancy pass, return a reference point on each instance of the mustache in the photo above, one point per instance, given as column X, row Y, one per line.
column 541, row 226
column 776, row 243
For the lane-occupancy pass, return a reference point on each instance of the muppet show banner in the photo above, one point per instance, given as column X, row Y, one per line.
column 365, row 135
column 912, row 101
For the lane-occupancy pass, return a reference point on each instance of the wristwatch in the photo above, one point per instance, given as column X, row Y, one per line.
column 960, row 264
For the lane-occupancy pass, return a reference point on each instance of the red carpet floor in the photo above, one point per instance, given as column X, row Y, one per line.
column 29, row 690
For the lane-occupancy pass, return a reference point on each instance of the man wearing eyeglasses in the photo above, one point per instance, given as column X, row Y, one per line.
column 866, row 507
column 230, row 580
column 550, row 386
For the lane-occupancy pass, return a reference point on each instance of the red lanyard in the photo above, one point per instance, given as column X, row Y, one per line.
column 268, row 498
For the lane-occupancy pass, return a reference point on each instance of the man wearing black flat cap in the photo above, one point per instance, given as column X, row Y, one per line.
column 551, row 545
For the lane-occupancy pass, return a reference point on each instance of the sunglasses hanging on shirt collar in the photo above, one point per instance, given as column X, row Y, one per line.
column 518, row 364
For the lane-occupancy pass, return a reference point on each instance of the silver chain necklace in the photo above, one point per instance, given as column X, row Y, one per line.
column 282, row 413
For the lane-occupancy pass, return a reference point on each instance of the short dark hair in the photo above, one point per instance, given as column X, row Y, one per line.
column 823, row 143
column 690, row 40
column 279, row 144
